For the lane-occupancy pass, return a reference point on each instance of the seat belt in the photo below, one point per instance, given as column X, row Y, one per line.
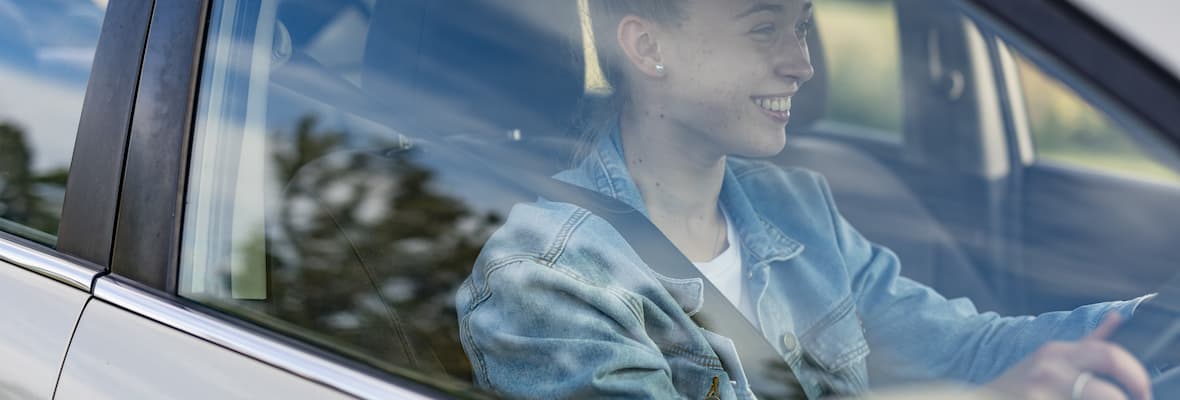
column 771, row 377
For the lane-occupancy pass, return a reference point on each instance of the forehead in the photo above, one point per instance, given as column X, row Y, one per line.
column 735, row 8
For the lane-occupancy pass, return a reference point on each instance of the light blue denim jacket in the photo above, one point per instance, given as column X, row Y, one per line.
column 560, row 306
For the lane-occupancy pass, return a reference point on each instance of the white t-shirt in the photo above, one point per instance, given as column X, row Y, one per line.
column 725, row 272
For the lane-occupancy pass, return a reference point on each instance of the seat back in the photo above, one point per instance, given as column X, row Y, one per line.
column 501, row 77
column 476, row 67
column 485, row 75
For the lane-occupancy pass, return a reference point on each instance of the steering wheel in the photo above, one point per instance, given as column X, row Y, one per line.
column 1153, row 336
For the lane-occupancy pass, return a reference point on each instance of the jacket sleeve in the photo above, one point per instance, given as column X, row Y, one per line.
column 539, row 332
column 917, row 334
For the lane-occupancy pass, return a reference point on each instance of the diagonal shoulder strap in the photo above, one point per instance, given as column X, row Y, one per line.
column 768, row 374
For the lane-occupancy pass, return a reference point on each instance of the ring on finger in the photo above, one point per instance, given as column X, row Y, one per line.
column 1079, row 385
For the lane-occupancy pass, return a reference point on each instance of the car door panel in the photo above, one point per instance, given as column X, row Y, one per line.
column 38, row 316
column 1074, row 255
column 118, row 354
column 940, row 174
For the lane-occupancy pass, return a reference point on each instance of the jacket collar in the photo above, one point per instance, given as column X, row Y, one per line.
column 762, row 241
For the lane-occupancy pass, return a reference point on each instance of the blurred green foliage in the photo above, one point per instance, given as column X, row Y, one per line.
column 28, row 206
column 860, row 40
column 1067, row 129
column 862, row 46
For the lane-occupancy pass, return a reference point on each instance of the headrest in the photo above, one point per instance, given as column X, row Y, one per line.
column 475, row 66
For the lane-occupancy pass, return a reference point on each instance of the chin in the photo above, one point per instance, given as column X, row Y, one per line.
column 765, row 145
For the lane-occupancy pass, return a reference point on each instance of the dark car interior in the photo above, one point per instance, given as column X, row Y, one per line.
column 504, row 80
column 426, row 64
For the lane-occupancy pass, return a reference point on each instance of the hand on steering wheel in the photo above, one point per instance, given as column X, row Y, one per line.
column 1088, row 369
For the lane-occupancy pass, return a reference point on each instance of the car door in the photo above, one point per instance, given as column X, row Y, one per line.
column 43, row 296
column 45, row 67
column 903, row 130
column 289, row 222
column 134, row 339
column 1093, row 178
column 1023, row 189
column 1082, row 206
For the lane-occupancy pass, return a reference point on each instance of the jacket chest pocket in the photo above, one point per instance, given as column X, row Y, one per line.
column 835, row 351
column 698, row 376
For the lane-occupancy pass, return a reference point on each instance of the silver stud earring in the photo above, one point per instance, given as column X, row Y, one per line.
column 660, row 68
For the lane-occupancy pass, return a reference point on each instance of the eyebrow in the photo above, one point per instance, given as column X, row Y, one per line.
column 775, row 8
column 760, row 7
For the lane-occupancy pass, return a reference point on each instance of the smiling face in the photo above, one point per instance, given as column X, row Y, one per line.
column 730, row 69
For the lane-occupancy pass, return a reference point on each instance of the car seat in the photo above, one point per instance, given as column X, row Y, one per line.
column 487, row 75
column 501, row 78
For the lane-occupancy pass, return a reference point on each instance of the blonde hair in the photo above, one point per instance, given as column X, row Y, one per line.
column 600, row 108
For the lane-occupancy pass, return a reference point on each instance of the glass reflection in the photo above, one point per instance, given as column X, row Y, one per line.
column 46, row 48
column 337, row 197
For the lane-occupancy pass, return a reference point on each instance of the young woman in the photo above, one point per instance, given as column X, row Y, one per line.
column 560, row 306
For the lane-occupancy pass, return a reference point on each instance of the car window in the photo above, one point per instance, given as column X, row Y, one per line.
column 863, row 48
column 46, row 49
column 1067, row 129
column 400, row 182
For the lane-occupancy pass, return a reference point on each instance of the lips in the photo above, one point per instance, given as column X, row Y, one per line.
column 775, row 107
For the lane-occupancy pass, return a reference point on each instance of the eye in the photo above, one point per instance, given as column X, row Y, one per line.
column 764, row 32
column 803, row 27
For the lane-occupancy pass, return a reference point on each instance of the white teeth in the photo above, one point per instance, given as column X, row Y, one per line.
column 777, row 104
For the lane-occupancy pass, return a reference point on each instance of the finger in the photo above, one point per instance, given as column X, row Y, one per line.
column 1116, row 363
column 1106, row 328
column 1101, row 389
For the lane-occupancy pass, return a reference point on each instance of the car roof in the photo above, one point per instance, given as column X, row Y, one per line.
column 1147, row 24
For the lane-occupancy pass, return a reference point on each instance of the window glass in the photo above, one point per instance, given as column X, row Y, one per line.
column 46, row 48
column 404, row 183
column 1067, row 129
column 863, row 55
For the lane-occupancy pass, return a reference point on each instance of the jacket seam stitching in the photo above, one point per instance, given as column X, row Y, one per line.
column 841, row 361
column 484, row 292
column 514, row 260
column 694, row 357
column 632, row 304
column 563, row 236
column 610, row 181
column 482, row 365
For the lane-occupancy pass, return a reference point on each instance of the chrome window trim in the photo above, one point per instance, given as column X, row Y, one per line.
column 243, row 341
column 40, row 261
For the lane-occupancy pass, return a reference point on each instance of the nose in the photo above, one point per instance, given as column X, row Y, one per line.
column 793, row 62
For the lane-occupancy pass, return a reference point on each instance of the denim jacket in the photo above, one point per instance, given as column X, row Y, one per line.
column 560, row 306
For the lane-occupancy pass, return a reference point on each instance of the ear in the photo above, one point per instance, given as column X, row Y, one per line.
column 637, row 37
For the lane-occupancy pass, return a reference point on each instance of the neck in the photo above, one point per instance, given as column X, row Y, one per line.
column 679, row 177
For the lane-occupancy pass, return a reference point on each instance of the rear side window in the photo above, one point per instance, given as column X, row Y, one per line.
column 1068, row 130
column 46, row 49
column 860, row 41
